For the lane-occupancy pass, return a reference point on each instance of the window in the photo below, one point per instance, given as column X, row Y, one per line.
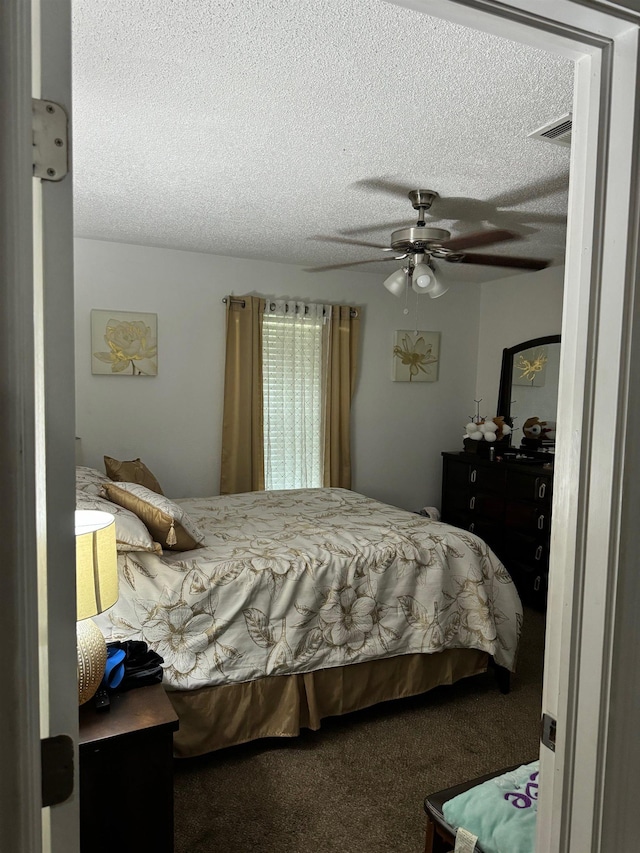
column 293, row 366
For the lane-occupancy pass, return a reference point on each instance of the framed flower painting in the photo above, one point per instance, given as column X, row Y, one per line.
column 416, row 356
column 124, row 343
column 530, row 367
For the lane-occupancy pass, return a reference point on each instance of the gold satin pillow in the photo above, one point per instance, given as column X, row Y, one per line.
column 167, row 523
column 131, row 533
column 133, row 471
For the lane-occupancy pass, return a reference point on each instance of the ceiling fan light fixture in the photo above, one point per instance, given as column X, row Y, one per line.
column 395, row 283
column 437, row 289
column 423, row 278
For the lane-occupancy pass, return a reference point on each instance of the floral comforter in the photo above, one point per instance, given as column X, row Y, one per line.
column 300, row 580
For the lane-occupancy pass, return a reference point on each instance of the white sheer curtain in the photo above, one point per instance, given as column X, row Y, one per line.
column 294, row 354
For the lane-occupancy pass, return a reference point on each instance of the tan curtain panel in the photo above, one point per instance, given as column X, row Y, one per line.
column 242, row 466
column 344, row 336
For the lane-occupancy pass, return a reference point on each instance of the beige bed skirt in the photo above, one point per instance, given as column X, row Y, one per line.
column 279, row 706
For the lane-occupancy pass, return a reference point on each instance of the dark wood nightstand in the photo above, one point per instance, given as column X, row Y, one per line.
column 126, row 773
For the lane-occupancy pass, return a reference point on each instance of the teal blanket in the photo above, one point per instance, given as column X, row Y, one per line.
column 500, row 812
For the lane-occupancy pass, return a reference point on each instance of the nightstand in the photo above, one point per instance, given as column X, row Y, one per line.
column 126, row 773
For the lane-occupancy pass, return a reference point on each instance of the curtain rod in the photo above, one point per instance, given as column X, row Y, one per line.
column 225, row 299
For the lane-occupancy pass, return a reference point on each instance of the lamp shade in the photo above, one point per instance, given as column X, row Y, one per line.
column 96, row 562
column 396, row 282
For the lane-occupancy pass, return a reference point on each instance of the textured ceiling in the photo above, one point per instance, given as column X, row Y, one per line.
column 259, row 128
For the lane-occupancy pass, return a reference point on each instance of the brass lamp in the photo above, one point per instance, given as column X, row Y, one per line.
column 96, row 591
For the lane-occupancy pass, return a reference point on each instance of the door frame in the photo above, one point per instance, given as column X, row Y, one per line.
column 20, row 818
column 591, row 680
column 37, row 495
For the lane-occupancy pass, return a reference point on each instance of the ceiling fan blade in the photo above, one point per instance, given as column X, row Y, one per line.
column 380, row 185
column 504, row 261
column 351, row 242
column 525, row 193
column 343, row 266
column 380, row 226
column 479, row 238
column 546, row 218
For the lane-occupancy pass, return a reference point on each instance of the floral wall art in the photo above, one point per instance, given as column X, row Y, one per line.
column 530, row 367
column 124, row 343
column 416, row 356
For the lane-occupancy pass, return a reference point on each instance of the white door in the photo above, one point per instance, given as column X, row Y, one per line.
column 38, row 697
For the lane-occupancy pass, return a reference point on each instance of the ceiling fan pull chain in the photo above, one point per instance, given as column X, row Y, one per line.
column 406, row 290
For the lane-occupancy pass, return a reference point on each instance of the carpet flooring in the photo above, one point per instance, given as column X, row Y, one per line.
column 357, row 785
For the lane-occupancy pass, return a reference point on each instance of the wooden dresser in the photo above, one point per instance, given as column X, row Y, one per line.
column 508, row 504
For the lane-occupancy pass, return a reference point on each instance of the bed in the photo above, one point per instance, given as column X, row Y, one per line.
column 302, row 604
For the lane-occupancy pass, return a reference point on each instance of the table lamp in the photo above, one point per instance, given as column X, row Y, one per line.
column 96, row 591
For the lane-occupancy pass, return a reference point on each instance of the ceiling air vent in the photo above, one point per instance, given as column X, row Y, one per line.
column 558, row 132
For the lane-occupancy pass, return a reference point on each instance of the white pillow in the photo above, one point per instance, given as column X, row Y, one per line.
column 89, row 480
column 131, row 534
column 168, row 523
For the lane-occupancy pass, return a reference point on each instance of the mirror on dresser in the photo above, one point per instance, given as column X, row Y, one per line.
column 528, row 395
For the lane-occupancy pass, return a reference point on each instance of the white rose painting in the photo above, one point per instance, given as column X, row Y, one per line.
column 124, row 343
column 416, row 356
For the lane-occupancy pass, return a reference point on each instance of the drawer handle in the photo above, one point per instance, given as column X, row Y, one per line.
column 474, row 475
column 542, row 489
column 541, row 522
column 539, row 552
column 536, row 583
column 472, row 503
column 472, row 527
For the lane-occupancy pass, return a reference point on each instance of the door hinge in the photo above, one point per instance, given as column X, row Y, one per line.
column 56, row 758
column 548, row 735
column 50, row 140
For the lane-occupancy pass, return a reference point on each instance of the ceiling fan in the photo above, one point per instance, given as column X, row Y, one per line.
column 422, row 246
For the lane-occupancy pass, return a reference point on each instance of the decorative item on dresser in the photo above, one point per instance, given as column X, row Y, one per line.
column 508, row 504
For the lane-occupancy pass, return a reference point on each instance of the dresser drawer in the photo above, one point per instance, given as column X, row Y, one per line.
column 532, row 585
column 489, row 532
column 531, row 518
column 475, row 475
column 487, row 478
column 527, row 550
column 528, row 486
column 456, row 475
column 489, row 507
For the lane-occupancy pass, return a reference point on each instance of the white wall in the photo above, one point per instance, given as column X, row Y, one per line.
column 173, row 421
column 514, row 310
